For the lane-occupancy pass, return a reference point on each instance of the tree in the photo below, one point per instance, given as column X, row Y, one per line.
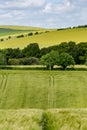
column 30, row 34
column 65, row 60
column 32, row 50
column 2, row 58
column 50, row 59
column 13, row 53
column 81, row 52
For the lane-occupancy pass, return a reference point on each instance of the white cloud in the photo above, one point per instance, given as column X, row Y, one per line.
column 61, row 7
column 22, row 4
column 5, row 15
column 45, row 13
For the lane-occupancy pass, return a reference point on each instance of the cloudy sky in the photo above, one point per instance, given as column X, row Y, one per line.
column 43, row 13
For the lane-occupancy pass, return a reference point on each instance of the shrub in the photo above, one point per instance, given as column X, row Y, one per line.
column 23, row 61
column 20, row 36
column 30, row 34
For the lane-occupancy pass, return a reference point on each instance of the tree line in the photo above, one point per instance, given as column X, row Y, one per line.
column 53, row 55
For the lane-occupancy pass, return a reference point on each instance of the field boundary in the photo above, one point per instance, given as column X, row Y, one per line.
column 41, row 67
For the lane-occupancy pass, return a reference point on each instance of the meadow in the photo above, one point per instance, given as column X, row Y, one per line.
column 43, row 89
column 7, row 31
column 15, row 30
column 46, row 37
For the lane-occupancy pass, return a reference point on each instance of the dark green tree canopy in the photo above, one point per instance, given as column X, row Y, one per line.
column 2, row 58
column 32, row 50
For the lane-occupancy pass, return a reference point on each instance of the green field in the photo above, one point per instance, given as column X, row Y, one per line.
column 43, row 89
column 15, row 30
column 52, row 37
column 41, row 99
column 8, row 32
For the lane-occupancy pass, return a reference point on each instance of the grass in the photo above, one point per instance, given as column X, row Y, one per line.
column 65, row 119
column 47, row 39
column 8, row 32
column 20, row 119
column 15, row 30
column 53, row 119
column 43, row 89
column 20, row 27
column 43, row 100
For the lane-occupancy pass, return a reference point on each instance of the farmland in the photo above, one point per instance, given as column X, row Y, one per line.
column 42, row 99
column 53, row 119
column 43, row 89
column 15, row 30
column 45, row 38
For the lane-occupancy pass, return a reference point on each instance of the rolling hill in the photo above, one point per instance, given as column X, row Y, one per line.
column 45, row 37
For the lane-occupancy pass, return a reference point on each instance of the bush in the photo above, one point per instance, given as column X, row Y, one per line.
column 14, row 61
column 24, row 61
column 29, row 61
column 36, row 33
column 20, row 36
column 30, row 34
column 2, row 39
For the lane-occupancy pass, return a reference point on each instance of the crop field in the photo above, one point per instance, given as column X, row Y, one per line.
column 7, row 32
column 51, row 37
column 36, row 119
column 4, row 32
column 15, row 30
column 43, row 89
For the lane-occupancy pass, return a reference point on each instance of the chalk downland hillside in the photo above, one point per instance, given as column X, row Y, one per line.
column 5, row 31
column 45, row 37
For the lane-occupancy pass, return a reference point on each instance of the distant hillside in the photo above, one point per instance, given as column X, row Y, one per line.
column 20, row 27
column 14, row 30
column 44, row 37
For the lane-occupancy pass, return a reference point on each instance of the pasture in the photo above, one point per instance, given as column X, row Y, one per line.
column 15, row 30
column 7, row 32
column 51, row 37
column 43, row 89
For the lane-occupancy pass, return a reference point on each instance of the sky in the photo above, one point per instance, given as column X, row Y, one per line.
column 43, row 13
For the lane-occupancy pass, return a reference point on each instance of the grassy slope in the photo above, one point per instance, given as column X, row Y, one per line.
column 33, row 89
column 21, row 27
column 48, row 39
column 5, row 31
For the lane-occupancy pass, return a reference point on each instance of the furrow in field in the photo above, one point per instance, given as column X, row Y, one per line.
column 24, row 92
column 12, row 94
column 3, row 87
column 1, row 79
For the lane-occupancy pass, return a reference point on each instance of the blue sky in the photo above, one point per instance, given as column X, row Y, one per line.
column 43, row 13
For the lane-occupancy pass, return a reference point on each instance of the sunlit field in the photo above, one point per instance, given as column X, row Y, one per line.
column 45, row 39
column 43, row 89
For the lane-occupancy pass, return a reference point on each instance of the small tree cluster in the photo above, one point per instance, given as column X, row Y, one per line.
column 54, row 58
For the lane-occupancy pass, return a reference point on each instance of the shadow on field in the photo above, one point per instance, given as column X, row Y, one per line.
column 42, row 68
